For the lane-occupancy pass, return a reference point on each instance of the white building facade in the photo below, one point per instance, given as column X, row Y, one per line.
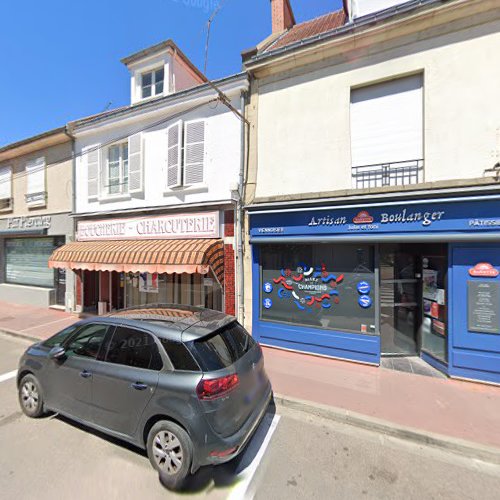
column 157, row 186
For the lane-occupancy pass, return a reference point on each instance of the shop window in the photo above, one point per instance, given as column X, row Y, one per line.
column 184, row 289
column 330, row 287
column 26, row 261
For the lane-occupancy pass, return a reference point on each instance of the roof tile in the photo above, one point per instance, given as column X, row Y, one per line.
column 309, row 29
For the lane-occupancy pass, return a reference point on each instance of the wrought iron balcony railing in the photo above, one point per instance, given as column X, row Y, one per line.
column 36, row 199
column 399, row 173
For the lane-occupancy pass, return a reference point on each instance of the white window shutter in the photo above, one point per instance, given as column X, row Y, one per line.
column 194, row 152
column 173, row 174
column 91, row 158
column 5, row 183
column 387, row 122
column 36, row 176
column 135, row 164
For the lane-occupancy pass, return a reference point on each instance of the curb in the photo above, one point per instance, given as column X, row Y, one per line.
column 19, row 335
column 462, row 447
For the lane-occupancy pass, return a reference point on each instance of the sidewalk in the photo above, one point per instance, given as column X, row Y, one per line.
column 450, row 408
column 37, row 323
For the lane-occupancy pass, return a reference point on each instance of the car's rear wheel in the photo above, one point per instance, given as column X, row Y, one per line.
column 170, row 453
column 30, row 396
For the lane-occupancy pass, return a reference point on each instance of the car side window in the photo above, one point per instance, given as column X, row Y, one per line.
column 180, row 356
column 60, row 337
column 87, row 341
column 135, row 348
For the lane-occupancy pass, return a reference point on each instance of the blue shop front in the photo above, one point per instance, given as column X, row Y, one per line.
column 358, row 282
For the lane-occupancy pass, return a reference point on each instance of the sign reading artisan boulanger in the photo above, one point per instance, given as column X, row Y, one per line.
column 431, row 216
column 179, row 226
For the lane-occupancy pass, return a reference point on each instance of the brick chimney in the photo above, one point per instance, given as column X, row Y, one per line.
column 282, row 15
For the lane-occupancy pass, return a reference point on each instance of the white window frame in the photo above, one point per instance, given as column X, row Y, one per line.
column 152, row 72
column 6, row 201
column 36, row 198
column 124, row 181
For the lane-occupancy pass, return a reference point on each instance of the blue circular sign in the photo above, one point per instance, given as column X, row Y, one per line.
column 268, row 287
column 365, row 301
column 268, row 303
column 364, row 288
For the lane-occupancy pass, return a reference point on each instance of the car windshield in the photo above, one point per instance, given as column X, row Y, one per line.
column 223, row 348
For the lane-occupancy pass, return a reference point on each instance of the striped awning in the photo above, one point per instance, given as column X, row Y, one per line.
column 145, row 256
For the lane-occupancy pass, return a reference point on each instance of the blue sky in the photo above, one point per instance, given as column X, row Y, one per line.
column 60, row 59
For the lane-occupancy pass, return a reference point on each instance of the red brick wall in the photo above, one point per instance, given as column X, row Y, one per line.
column 229, row 280
column 229, row 265
column 229, row 223
column 282, row 15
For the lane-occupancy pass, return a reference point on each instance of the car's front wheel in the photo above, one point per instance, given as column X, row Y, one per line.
column 170, row 453
column 30, row 396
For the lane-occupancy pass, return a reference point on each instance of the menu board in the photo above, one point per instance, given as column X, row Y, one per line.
column 483, row 306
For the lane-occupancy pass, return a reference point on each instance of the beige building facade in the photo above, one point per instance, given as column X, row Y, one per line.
column 36, row 197
column 372, row 147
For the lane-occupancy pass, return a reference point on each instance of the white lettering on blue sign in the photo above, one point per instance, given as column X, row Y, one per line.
column 427, row 218
column 484, row 222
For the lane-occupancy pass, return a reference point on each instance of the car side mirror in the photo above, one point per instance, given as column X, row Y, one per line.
column 57, row 352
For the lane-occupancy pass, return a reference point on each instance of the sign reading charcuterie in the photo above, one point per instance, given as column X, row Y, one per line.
column 178, row 226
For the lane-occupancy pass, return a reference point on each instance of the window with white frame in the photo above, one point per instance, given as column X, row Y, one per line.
column 116, row 172
column 185, row 165
column 387, row 133
column 152, row 83
column 5, row 187
column 36, row 194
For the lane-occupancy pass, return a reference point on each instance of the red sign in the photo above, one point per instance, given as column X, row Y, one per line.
column 484, row 270
column 363, row 218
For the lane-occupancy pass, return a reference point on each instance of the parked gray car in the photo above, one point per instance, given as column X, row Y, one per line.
column 187, row 384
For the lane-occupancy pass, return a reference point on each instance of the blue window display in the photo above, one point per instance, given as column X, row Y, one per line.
column 317, row 285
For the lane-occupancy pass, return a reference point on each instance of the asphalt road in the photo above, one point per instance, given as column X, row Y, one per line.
column 293, row 455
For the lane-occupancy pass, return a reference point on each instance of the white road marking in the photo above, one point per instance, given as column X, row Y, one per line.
column 8, row 375
column 240, row 491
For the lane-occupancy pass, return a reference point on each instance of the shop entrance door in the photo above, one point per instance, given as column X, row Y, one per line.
column 60, row 286
column 400, row 299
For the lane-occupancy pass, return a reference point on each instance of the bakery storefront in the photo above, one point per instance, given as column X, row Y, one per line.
column 382, row 279
column 128, row 262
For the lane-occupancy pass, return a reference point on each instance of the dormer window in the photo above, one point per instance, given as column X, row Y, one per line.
column 152, row 83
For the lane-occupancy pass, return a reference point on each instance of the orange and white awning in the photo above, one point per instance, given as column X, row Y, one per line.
column 145, row 256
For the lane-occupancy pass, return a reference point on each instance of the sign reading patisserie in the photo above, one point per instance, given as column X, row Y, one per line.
column 178, row 226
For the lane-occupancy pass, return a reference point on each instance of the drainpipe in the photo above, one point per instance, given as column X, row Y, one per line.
column 240, row 218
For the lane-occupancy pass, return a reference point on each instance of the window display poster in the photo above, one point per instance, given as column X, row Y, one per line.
column 430, row 284
column 324, row 287
column 148, row 282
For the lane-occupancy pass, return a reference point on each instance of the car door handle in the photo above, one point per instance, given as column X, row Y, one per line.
column 85, row 374
column 139, row 386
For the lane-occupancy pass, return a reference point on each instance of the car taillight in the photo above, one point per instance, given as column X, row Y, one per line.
column 217, row 387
